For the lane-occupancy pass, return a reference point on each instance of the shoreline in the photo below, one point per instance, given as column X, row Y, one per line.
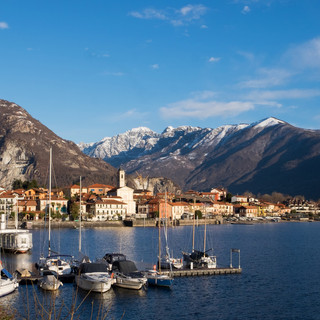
column 139, row 223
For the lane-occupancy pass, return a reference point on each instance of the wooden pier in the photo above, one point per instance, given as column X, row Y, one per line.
column 203, row 272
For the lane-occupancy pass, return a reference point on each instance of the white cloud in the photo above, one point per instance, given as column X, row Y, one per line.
column 155, row 66
column 149, row 14
column 204, row 109
column 4, row 25
column 245, row 10
column 177, row 17
column 204, row 26
column 283, row 94
column 213, row 59
column 306, row 55
column 268, row 78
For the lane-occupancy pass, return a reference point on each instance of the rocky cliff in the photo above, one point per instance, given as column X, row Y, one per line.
column 24, row 153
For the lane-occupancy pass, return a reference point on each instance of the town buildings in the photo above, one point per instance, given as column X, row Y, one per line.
column 101, row 202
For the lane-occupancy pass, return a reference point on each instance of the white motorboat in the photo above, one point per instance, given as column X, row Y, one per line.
column 8, row 283
column 60, row 264
column 127, row 276
column 49, row 282
column 94, row 277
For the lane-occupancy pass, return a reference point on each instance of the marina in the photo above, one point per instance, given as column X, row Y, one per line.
column 229, row 293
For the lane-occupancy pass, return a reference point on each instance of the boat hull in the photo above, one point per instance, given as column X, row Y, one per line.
column 15, row 241
column 129, row 283
column 95, row 282
column 49, row 283
column 7, row 286
column 159, row 280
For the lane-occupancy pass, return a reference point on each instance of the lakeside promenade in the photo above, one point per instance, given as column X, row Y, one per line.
column 132, row 223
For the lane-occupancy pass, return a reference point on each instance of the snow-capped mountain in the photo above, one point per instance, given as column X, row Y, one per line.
column 262, row 157
column 138, row 142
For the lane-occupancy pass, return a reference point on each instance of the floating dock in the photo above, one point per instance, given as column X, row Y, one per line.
column 203, row 272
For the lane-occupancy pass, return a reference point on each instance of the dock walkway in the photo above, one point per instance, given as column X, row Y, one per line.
column 203, row 272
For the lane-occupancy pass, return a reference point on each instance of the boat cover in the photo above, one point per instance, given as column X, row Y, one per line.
column 197, row 255
column 112, row 257
column 125, row 266
column 93, row 267
column 6, row 273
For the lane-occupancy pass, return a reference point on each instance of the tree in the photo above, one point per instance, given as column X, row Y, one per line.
column 16, row 184
column 198, row 214
column 228, row 197
column 74, row 211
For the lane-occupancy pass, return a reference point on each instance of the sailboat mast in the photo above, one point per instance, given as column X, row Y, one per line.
column 80, row 218
column 205, row 236
column 16, row 213
column 193, row 227
column 159, row 259
column 50, row 169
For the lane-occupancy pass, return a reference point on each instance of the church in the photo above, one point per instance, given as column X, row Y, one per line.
column 125, row 193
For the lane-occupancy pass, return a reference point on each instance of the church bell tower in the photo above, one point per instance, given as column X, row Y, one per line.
column 122, row 178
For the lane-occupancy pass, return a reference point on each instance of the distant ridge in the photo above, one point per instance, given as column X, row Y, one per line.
column 262, row 157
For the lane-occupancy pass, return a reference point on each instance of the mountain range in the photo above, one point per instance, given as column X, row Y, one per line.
column 263, row 157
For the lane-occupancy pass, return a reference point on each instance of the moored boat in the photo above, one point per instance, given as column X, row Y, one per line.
column 94, row 277
column 127, row 275
column 8, row 283
column 49, row 282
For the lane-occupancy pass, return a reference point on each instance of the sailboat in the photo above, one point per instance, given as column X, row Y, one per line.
column 8, row 283
column 156, row 277
column 82, row 258
column 166, row 261
column 58, row 263
column 197, row 258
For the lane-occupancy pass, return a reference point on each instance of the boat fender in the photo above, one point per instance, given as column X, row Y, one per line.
column 112, row 275
column 154, row 267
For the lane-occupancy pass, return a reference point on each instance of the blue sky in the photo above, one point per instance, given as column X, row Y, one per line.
column 91, row 69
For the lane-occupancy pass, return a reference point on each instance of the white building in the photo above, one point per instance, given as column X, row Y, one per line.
column 125, row 193
column 108, row 209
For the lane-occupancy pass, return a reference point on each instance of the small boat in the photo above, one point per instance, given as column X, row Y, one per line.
column 49, row 281
column 199, row 259
column 167, row 261
column 127, row 275
column 94, row 277
column 156, row 278
column 8, row 283
column 61, row 264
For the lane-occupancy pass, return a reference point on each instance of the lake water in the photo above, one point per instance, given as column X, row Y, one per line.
column 280, row 277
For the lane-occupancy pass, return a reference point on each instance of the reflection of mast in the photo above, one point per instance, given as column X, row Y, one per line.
column 50, row 168
column 194, row 224
column 159, row 260
column 80, row 217
column 205, row 235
